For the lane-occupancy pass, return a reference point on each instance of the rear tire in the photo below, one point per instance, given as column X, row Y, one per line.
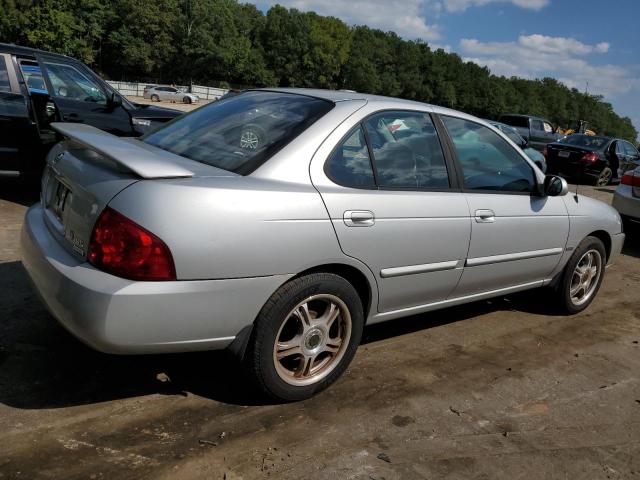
column 604, row 178
column 186, row 100
column 582, row 276
column 155, row 98
column 305, row 336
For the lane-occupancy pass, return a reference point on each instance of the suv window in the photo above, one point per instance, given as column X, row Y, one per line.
column 350, row 164
column 515, row 120
column 488, row 161
column 70, row 83
column 537, row 125
column 547, row 127
column 406, row 151
column 630, row 149
column 5, row 86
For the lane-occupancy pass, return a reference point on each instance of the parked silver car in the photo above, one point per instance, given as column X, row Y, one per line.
column 626, row 198
column 172, row 94
column 352, row 209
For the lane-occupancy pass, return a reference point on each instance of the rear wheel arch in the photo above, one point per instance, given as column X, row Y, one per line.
column 351, row 274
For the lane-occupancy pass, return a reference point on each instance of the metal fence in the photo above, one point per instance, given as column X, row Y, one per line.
column 137, row 89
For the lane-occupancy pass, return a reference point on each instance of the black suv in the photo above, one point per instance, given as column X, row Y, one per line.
column 37, row 88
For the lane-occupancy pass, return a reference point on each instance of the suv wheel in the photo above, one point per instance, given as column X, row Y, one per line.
column 305, row 336
column 582, row 276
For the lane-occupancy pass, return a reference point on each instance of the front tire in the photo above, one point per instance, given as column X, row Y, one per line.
column 305, row 337
column 582, row 276
column 186, row 100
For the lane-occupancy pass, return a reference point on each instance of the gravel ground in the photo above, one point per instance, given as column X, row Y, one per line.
column 500, row 389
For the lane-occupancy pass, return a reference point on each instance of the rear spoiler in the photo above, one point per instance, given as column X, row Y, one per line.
column 144, row 160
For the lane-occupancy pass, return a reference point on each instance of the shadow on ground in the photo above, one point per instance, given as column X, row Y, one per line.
column 25, row 191
column 42, row 366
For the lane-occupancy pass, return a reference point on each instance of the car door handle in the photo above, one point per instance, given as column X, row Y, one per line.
column 485, row 216
column 359, row 218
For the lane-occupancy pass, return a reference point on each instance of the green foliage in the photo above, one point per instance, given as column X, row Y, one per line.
column 216, row 41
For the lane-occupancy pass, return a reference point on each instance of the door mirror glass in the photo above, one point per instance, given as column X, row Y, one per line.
column 115, row 100
column 555, row 186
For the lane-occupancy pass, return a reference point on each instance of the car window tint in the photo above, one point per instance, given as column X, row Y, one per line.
column 406, row 151
column 537, row 125
column 70, row 83
column 241, row 132
column 5, row 86
column 349, row 164
column 620, row 148
column 630, row 149
column 488, row 161
column 515, row 120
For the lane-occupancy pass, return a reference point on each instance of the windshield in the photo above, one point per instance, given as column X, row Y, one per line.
column 586, row 141
column 241, row 132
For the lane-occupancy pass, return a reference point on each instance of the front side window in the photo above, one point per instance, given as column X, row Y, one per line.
column 349, row 164
column 547, row 127
column 406, row 151
column 537, row 125
column 630, row 149
column 5, row 86
column 620, row 148
column 488, row 161
column 70, row 83
column 242, row 132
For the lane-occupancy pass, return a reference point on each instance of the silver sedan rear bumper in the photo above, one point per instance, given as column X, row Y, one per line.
column 626, row 203
column 115, row 315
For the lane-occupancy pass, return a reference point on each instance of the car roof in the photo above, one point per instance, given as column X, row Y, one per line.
column 27, row 51
column 343, row 95
column 524, row 116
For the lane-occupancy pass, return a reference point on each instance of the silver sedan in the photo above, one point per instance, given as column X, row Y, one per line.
column 346, row 209
column 626, row 198
column 172, row 94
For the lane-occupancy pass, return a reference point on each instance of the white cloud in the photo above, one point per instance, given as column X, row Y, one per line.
column 536, row 56
column 462, row 5
column 401, row 16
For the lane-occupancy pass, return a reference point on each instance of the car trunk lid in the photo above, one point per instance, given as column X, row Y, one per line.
column 87, row 170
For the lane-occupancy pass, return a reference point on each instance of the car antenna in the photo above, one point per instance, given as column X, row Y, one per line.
column 575, row 195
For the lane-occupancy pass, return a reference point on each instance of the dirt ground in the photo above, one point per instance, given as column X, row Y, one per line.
column 501, row 389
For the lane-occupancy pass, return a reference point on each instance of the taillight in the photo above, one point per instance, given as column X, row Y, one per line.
column 630, row 179
column 590, row 157
column 122, row 247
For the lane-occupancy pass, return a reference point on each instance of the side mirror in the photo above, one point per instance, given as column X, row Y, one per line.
column 555, row 186
column 115, row 100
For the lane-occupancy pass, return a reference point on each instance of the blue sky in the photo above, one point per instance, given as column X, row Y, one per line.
column 574, row 41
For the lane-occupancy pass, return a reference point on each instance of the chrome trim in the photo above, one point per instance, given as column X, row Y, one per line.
column 414, row 269
column 509, row 257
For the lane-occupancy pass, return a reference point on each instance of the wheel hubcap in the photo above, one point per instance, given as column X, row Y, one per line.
column 585, row 277
column 249, row 140
column 604, row 178
column 312, row 340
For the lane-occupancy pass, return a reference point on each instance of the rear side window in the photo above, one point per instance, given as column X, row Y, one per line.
column 5, row 86
column 350, row 165
column 488, row 161
column 515, row 121
column 241, row 132
column 406, row 151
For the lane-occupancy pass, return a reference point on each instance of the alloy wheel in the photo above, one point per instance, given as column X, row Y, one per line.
column 312, row 340
column 249, row 140
column 586, row 275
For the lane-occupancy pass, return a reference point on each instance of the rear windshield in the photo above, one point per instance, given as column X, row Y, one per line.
column 240, row 132
column 515, row 120
column 586, row 141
